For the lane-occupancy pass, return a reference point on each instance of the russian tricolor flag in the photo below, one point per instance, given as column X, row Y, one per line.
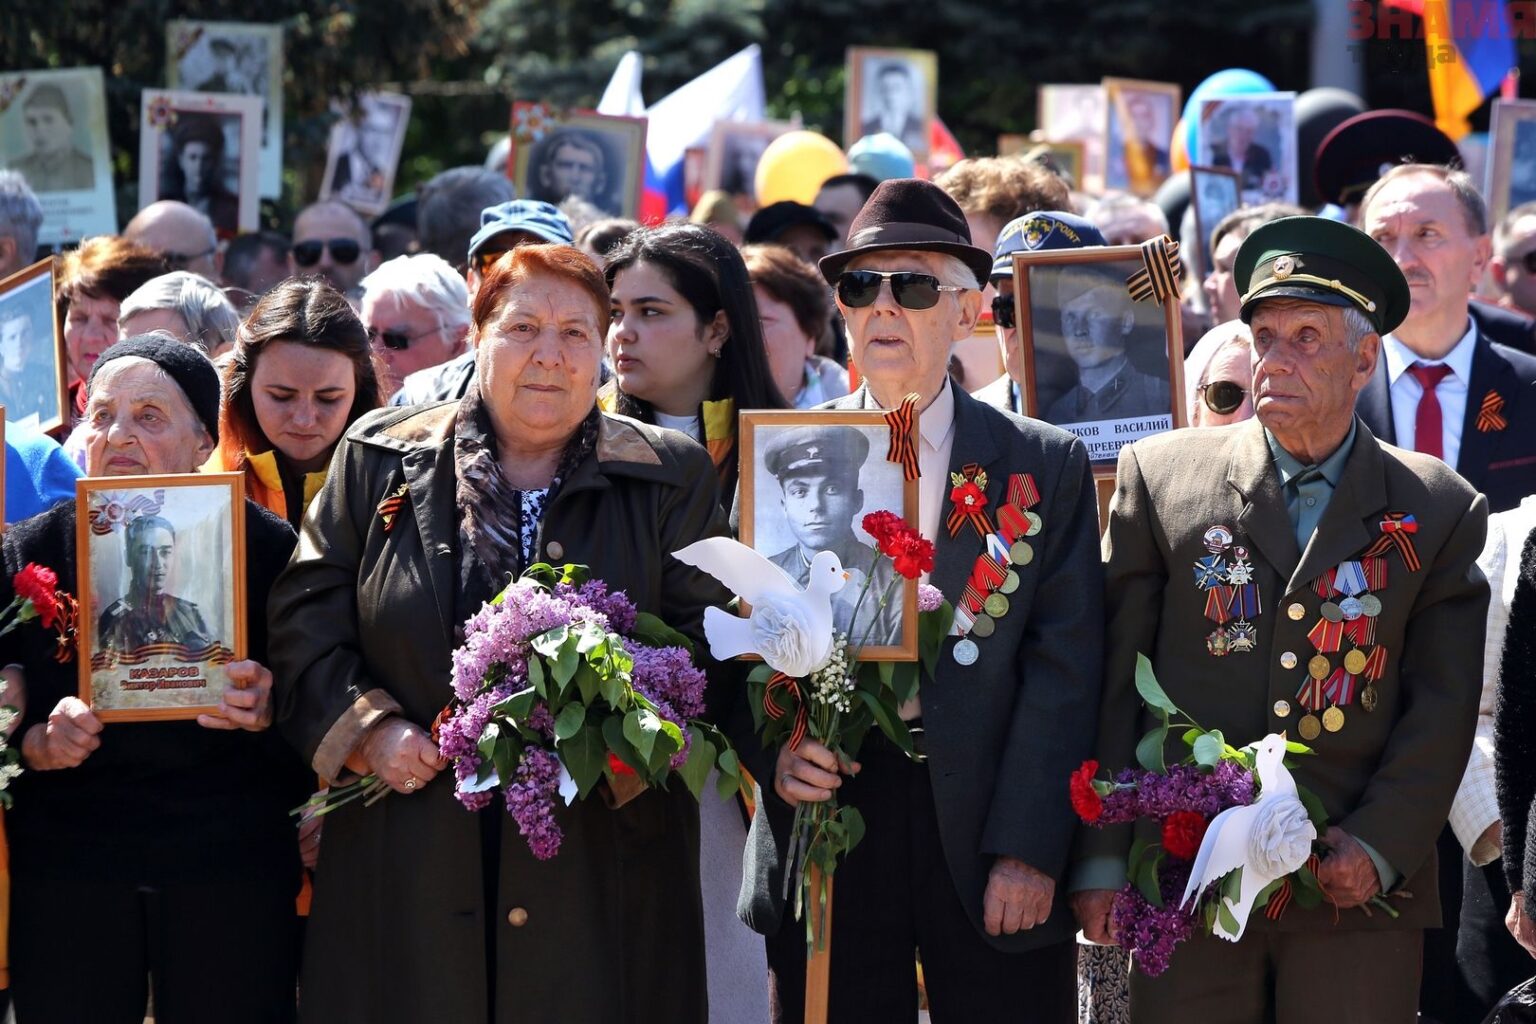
column 1470, row 48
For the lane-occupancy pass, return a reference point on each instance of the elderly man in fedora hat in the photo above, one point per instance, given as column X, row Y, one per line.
column 965, row 847
column 1334, row 597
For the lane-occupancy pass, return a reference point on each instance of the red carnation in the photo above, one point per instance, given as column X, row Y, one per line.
column 617, row 765
column 969, row 497
column 915, row 557
column 1182, row 833
column 886, row 528
column 37, row 584
column 1085, row 799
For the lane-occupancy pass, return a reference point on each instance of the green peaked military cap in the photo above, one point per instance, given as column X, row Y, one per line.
column 1321, row 260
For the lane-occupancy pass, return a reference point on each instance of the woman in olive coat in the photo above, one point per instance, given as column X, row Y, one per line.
column 423, row 910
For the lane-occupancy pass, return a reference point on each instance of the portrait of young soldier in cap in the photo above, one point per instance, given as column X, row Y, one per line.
column 818, row 470
column 1305, row 528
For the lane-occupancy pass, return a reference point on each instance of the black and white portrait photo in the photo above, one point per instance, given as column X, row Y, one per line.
column 53, row 131
column 735, row 148
column 1215, row 193
column 892, row 92
column 592, row 157
column 31, row 388
column 814, row 479
column 204, row 150
column 235, row 57
column 161, row 608
column 365, row 150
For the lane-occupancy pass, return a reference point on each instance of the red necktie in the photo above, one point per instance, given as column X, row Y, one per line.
column 1428, row 431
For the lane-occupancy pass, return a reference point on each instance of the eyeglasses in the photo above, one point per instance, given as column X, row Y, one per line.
column 181, row 260
column 1002, row 311
column 1528, row 261
column 859, row 288
column 343, row 250
column 1222, row 396
column 397, row 341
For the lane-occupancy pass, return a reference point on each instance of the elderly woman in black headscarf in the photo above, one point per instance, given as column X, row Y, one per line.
column 166, row 845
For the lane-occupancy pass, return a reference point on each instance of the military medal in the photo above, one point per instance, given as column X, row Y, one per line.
column 1010, row 582
column 1217, row 644
column 1242, row 637
column 1218, row 539
column 1035, row 523
column 1232, row 601
column 1309, row 727
column 1354, row 662
column 1349, row 611
column 1370, row 606
column 995, row 573
column 1020, row 553
column 1332, row 612
column 966, row 651
column 1368, row 697
column 996, row 605
column 1350, row 608
column 1333, row 719
column 1318, row 667
column 983, row 626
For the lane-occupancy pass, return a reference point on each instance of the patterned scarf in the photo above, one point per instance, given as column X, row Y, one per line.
column 495, row 544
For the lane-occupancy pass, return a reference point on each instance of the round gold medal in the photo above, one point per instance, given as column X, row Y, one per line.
column 1333, row 719
column 996, row 605
column 1370, row 606
column 1354, row 662
column 1021, row 553
column 1318, row 667
column 983, row 626
column 1010, row 583
column 1309, row 727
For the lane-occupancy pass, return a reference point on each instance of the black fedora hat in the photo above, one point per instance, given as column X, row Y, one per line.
column 913, row 215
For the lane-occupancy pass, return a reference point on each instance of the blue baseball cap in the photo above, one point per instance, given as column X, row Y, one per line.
column 528, row 215
column 1040, row 231
column 882, row 156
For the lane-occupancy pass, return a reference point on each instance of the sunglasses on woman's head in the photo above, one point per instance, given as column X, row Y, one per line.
column 1223, row 396
column 858, row 288
column 343, row 250
column 1002, row 311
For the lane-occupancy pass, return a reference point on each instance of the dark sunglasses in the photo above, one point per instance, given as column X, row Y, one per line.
column 858, row 288
column 180, row 260
column 396, row 341
column 1529, row 262
column 343, row 250
column 1223, row 396
column 1002, row 311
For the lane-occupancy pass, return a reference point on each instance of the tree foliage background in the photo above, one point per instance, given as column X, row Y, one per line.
column 463, row 61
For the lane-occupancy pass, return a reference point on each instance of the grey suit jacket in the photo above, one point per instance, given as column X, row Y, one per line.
column 1004, row 734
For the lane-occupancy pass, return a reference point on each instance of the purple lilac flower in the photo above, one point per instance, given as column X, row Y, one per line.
column 669, row 674
column 497, row 635
column 615, row 606
column 1151, row 933
column 531, row 801
column 1189, row 787
column 929, row 598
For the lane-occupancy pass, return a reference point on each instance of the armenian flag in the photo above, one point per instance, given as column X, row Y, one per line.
column 1470, row 48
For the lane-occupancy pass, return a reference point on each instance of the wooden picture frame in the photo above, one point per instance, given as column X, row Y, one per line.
column 1269, row 118
column 244, row 58
column 1215, row 192
column 34, row 369
column 73, row 182
column 914, row 80
column 363, row 154
column 606, row 154
column 1075, row 113
column 147, row 651
column 735, row 148
column 770, row 527
column 1139, row 118
column 1511, row 149
column 223, row 132
column 1089, row 287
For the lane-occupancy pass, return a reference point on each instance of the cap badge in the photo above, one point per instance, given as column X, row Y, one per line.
column 1285, row 266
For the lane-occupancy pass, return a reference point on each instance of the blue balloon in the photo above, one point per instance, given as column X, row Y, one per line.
column 1231, row 82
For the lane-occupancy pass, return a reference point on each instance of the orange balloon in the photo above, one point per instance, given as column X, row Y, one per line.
column 1178, row 152
column 794, row 165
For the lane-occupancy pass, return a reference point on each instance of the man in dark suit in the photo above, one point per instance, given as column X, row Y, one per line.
column 964, row 849
column 898, row 107
column 1241, row 153
column 1444, row 388
column 1279, row 503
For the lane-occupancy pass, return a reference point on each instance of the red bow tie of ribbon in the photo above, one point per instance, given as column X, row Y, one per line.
column 903, row 423
column 1397, row 530
column 970, row 500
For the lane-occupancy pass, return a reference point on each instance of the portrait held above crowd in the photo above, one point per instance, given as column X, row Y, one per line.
column 818, row 574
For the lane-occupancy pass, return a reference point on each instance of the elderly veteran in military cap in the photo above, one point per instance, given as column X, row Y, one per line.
column 1040, row 231
column 1355, row 624
column 818, row 473
column 963, row 849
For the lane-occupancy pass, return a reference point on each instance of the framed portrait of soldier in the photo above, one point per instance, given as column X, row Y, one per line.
column 53, row 130
column 808, row 480
column 1253, row 135
column 597, row 158
column 203, row 149
column 1215, row 192
column 1512, row 157
column 1138, row 132
column 234, row 57
column 735, row 147
column 1097, row 362
column 894, row 92
column 33, row 386
column 1076, row 113
column 1066, row 160
column 364, row 151
column 161, row 592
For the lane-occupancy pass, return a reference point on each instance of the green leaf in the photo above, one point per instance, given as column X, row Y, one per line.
column 1150, row 690
column 566, row 663
column 585, row 756
column 587, row 682
column 590, row 637
column 613, row 688
column 904, row 681
column 570, row 720
column 536, row 677
column 1232, row 885
column 729, row 766
column 889, row 721
column 701, row 758
column 653, row 632
column 549, row 642
column 854, row 822
column 640, row 728
column 506, row 756
column 488, row 737
column 887, row 672
column 932, row 628
column 1208, row 749
column 1149, row 752
column 1266, row 893
column 1228, row 922
column 1190, row 735
column 1145, row 877
column 1315, row 810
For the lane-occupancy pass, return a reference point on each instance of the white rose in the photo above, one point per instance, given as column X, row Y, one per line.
column 1282, row 837
column 782, row 631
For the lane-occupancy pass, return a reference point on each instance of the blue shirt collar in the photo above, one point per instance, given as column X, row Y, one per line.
column 1331, row 468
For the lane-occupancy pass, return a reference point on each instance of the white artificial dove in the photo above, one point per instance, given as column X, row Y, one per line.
column 790, row 627
column 1241, row 837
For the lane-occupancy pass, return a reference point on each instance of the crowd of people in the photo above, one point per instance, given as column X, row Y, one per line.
column 537, row 382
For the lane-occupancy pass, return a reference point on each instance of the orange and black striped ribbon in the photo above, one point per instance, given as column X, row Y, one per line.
column 1022, row 490
column 959, row 515
column 773, row 711
column 390, row 507
column 1490, row 416
column 903, row 423
column 64, row 622
column 1281, row 899
column 1160, row 273
column 1397, row 530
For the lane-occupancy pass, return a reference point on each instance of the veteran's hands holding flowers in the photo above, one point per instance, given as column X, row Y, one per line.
column 401, row 754
column 809, row 772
